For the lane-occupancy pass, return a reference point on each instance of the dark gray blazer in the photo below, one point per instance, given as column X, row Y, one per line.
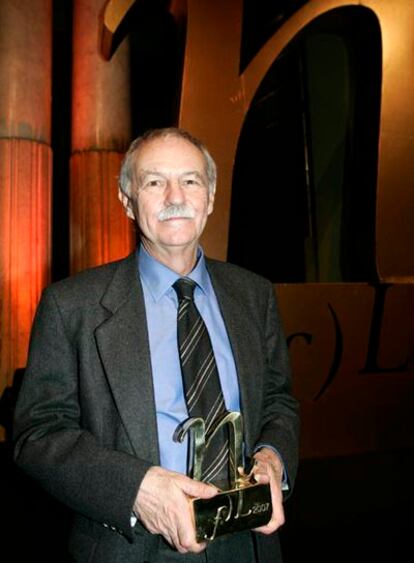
column 85, row 425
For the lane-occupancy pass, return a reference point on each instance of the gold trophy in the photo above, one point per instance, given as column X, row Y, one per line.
column 246, row 504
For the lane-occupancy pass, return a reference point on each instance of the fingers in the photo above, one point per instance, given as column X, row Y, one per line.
column 163, row 506
column 268, row 469
column 185, row 541
column 197, row 489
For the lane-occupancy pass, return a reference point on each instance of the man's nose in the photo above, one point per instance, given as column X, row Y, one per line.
column 174, row 192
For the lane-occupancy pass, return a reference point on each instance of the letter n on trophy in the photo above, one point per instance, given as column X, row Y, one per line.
column 246, row 504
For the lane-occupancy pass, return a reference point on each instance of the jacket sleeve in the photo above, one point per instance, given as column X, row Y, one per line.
column 51, row 442
column 280, row 421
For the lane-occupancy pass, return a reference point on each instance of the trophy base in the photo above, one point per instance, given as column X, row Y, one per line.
column 232, row 511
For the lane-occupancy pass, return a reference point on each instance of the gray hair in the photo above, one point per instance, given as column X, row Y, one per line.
column 126, row 175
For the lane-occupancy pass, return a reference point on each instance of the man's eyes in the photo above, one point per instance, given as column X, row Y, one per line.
column 161, row 183
column 191, row 182
column 153, row 183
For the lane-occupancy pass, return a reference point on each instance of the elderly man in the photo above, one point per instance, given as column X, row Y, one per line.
column 122, row 354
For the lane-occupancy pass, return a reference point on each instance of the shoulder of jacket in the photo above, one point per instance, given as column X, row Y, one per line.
column 90, row 283
column 236, row 272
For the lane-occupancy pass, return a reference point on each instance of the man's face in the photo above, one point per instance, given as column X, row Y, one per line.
column 171, row 200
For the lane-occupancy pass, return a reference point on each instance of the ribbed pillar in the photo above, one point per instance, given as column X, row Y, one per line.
column 25, row 173
column 100, row 230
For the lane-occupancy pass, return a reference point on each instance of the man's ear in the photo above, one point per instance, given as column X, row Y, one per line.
column 126, row 202
column 210, row 202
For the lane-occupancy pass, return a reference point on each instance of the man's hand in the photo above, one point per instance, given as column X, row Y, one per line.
column 269, row 469
column 162, row 505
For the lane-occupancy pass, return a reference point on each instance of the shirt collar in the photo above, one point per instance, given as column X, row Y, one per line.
column 158, row 278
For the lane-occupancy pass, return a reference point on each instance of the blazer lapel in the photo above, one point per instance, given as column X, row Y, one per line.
column 241, row 336
column 122, row 342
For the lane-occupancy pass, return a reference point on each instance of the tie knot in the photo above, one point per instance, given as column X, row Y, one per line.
column 184, row 288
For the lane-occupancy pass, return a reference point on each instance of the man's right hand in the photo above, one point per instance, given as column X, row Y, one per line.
column 162, row 504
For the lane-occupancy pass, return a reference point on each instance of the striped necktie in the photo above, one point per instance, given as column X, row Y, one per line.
column 203, row 393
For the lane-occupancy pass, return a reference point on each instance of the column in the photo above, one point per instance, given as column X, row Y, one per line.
column 25, row 173
column 99, row 229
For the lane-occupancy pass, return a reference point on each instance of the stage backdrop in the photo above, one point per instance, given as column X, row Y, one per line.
column 314, row 191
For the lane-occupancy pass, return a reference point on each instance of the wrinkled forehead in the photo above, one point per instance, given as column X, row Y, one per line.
column 169, row 154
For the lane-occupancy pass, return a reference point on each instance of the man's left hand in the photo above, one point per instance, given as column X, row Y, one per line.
column 268, row 468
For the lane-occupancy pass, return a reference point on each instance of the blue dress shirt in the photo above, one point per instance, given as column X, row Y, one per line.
column 161, row 309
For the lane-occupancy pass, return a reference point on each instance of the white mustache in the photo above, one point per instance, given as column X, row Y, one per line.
column 172, row 211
